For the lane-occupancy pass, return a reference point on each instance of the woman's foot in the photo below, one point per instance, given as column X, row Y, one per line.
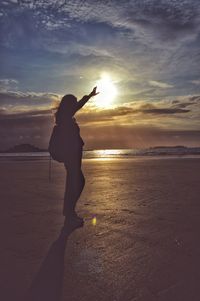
column 76, row 217
column 71, row 223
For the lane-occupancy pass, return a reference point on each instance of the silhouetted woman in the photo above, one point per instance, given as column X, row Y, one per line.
column 72, row 145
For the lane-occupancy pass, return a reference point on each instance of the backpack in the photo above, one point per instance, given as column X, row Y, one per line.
column 56, row 147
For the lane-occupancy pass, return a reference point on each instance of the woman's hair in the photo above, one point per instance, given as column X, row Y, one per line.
column 66, row 109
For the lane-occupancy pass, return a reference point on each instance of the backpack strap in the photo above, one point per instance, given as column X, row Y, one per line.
column 49, row 168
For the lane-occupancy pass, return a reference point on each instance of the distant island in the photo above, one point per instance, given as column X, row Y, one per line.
column 24, row 148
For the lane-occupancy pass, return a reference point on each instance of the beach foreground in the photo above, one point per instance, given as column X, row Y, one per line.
column 145, row 244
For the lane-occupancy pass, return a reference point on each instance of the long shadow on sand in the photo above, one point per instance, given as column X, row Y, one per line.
column 48, row 282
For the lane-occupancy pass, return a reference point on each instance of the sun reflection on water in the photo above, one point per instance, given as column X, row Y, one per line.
column 107, row 152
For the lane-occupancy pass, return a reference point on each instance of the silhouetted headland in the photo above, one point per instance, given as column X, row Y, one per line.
column 23, row 148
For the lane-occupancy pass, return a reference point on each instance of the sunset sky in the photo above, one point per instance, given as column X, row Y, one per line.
column 144, row 56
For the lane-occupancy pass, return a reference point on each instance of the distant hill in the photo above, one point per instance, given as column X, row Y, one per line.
column 24, row 148
column 170, row 147
column 172, row 150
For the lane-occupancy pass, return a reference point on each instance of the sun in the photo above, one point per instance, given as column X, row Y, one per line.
column 107, row 89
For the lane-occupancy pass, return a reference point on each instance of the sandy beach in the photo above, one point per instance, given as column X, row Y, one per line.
column 144, row 246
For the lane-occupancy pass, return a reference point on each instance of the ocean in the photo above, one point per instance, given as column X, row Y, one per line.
column 116, row 153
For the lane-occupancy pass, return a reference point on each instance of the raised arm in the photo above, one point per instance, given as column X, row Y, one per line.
column 85, row 99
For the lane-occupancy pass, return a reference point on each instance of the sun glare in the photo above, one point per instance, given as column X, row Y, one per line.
column 107, row 89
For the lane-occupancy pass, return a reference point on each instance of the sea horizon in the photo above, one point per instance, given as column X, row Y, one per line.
column 118, row 153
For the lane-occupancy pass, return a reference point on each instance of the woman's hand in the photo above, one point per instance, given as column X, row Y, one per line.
column 94, row 93
column 85, row 99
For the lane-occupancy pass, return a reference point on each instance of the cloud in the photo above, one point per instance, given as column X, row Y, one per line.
column 155, row 109
column 195, row 98
column 165, row 111
column 132, row 110
column 196, row 82
column 160, row 84
column 16, row 101
column 168, row 18
column 7, row 84
column 26, row 115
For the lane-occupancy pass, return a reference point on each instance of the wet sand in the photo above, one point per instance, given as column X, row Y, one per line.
column 145, row 245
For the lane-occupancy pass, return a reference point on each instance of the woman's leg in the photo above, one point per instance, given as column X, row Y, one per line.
column 67, row 208
column 75, row 183
column 81, row 183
